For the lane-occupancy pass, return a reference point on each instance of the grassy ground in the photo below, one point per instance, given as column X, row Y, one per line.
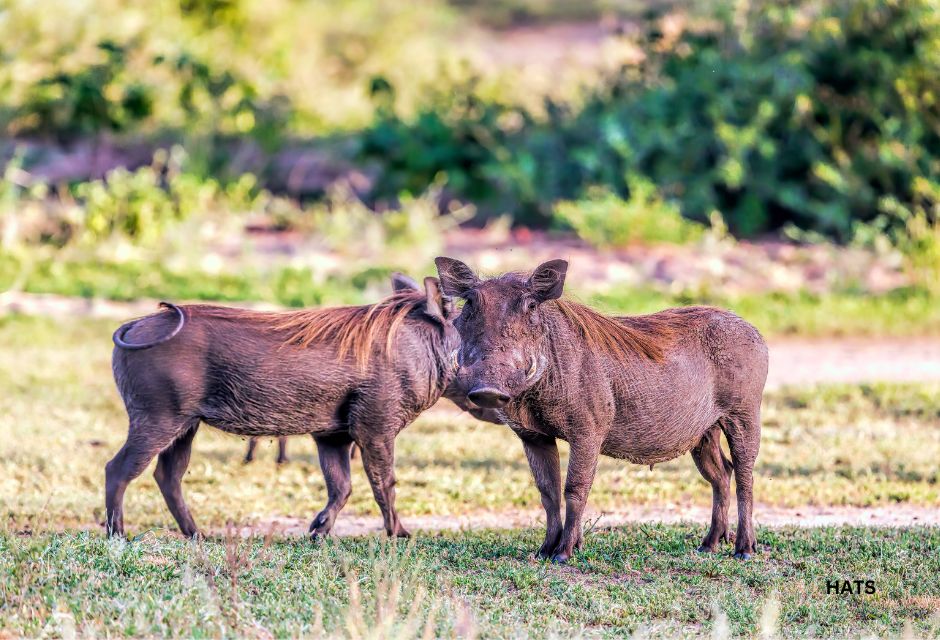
column 62, row 420
column 646, row 580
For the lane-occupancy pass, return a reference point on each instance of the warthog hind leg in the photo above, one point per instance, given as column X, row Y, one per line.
column 333, row 452
column 282, row 450
column 171, row 466
column 716, row 469
column 146, row 437
column 743, row 434
column 250, row 452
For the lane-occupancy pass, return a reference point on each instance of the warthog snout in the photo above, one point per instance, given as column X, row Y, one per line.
column 488, row 398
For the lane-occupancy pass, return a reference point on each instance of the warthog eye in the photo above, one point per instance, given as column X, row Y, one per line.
column 533, row 367
column 454, row 363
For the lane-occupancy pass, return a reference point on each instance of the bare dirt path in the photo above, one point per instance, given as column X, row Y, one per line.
column 793, row 361
column 802, row 362
column 764, row 515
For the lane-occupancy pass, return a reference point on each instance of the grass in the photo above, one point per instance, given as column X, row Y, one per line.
column 902, row 312
column 640, row 579
column 62, row 420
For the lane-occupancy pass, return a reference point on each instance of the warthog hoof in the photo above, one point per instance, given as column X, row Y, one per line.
column 320, row 527
column 742, row 555
column 560, row 558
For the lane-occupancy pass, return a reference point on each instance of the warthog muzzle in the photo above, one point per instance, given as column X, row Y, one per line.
column 488, row 398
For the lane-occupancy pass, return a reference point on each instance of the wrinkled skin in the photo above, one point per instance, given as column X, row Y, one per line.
column 523, row 357
column 235, row 371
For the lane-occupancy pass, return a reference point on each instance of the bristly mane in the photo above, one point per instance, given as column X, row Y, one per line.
column 647, row 336
column 354, row 329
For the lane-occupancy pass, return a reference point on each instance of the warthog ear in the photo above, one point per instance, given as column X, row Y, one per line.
column 434, row 305
column 548, row 280
column 401, row 282
column 456, row 277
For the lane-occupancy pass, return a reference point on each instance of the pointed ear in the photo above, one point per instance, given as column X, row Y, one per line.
column 435, row 301
column 456, row 277
column 401, row 282
column 548, row 280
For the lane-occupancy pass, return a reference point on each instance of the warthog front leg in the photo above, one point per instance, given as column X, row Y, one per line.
column 542, row 453
column 582, row 465
column 333, row 452
column 378, row 459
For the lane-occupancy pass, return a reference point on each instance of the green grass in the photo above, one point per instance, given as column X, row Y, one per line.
column 902, row 312
column 62, row 420
column 645, row 579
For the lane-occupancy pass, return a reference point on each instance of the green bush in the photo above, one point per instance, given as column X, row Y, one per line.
column 606, row 220
column 102, row 96
column 784, row 114
column 134, row 207
column 300, row 64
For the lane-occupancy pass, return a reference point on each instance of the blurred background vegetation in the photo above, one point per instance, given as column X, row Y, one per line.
column 297, row 152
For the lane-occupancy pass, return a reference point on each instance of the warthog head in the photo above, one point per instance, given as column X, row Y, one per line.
column 504, row 346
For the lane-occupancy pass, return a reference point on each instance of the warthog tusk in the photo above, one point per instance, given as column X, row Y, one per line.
column 533, row 367
column 453, row 361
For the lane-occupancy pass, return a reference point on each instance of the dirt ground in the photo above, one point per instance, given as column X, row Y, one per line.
column 764, row 515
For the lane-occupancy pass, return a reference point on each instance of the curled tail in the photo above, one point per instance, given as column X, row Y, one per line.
column 118, row 336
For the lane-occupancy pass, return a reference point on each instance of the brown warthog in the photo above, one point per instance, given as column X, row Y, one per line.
column 348, row 374
column 400, row 282
column 645, row 388
column 281, row 450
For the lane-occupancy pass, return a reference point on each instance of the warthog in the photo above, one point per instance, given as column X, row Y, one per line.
column 281, row 450
column 642, row 388
column 348, row 374
column 400, row 282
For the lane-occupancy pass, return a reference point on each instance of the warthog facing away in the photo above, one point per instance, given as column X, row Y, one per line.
column 400, row 282
column 645, row 388
column 348, row 374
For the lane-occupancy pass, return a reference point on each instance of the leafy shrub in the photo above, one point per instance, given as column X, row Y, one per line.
column 102, row 96
column 784, row 114
column 142, row 205
column 408, row 235
column 606, row 220
column 305, row 64
column 137, row 207
column 918, row 240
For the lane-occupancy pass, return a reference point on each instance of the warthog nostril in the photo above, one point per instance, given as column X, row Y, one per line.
column 488, row 398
